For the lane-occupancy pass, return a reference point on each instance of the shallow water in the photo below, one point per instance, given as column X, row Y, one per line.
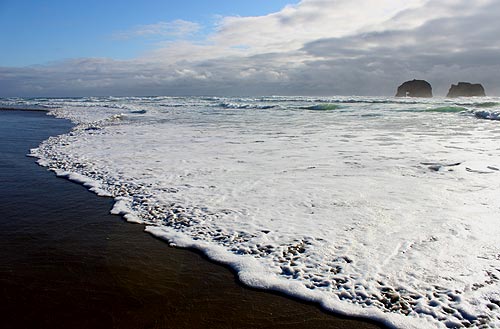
column 386, row 208
column 65, row 262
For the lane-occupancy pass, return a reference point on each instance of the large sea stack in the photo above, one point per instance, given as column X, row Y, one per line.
column 466, row 89
column 415, row 88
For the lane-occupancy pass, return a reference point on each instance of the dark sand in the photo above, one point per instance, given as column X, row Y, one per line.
column 66, row 263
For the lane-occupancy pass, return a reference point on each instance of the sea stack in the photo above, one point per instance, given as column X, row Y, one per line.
column 466, row 89
column 415, row 88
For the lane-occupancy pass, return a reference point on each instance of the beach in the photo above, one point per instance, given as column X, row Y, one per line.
column 65, row 262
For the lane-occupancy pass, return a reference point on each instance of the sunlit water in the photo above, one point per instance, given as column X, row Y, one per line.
column 385, row 208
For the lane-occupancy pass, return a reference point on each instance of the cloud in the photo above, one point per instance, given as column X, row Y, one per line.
column 294, row 25
column 441, row 50
column 177, row 28
column 316, row 47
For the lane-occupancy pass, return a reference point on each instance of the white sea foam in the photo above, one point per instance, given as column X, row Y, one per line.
column 382, row 208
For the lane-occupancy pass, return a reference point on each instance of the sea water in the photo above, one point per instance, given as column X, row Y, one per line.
column 378, row 207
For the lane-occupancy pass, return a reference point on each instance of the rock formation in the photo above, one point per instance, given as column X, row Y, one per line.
column 466, row 89
column 415, row 88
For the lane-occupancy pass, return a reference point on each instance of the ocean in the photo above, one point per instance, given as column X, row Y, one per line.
column 385, row 208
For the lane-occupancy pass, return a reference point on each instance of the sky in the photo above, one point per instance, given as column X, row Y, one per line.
column 245, row 48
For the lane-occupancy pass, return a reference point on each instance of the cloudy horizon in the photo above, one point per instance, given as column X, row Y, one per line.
column 309, row 47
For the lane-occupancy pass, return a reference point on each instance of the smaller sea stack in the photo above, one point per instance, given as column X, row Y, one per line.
column 466, row 89
column 415, row 88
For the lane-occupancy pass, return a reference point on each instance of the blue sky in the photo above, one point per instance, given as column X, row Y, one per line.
column 245, row 47
column 36, row 31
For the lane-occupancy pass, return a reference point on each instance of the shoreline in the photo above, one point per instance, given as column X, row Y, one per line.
column 79, row 266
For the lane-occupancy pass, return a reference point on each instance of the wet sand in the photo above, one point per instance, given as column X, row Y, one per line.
column 65, row 262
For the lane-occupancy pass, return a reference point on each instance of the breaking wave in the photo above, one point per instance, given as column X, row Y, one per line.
column 246, row 106
column 448, row 109
column 323, row 107
column 316, row 205
column 488, row 115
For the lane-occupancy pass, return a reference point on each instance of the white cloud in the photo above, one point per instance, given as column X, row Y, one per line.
column 314, row 47
column 294, row 25
column 176, row 28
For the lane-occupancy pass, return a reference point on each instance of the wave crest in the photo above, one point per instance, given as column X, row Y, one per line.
column 488, row 115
